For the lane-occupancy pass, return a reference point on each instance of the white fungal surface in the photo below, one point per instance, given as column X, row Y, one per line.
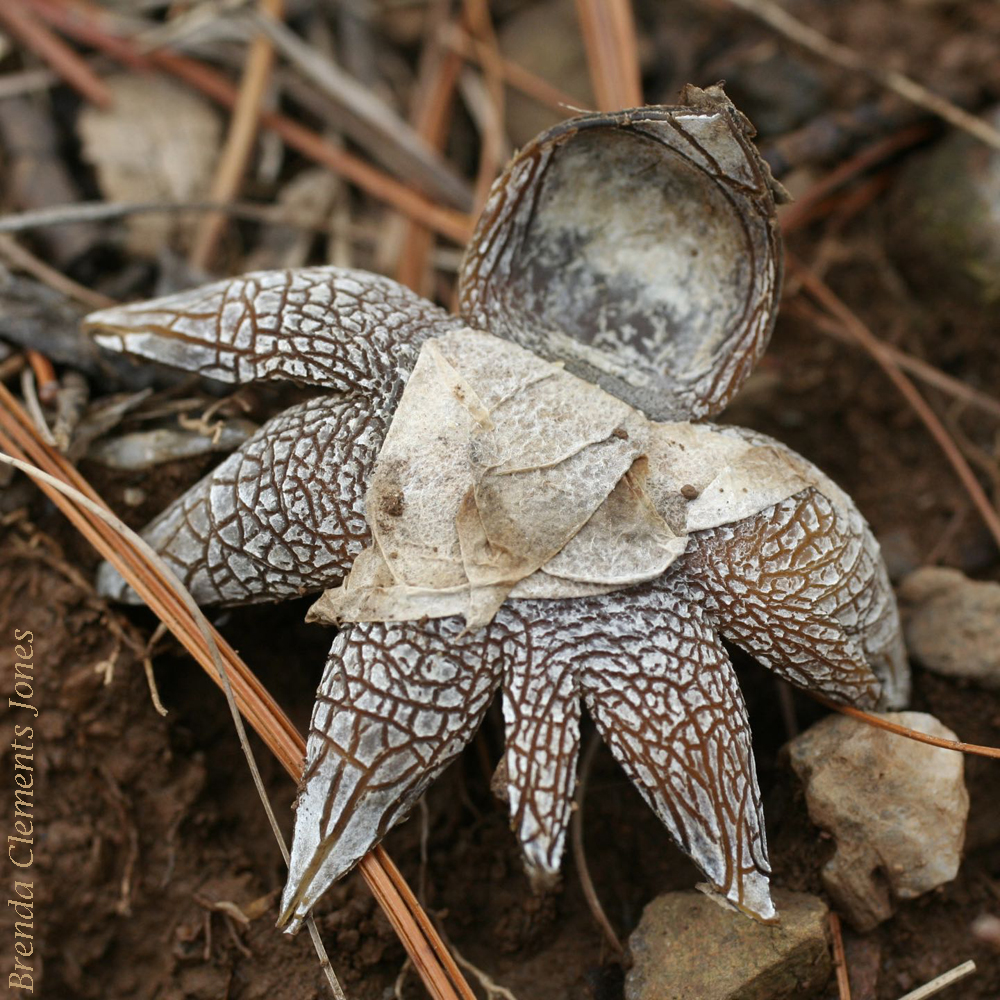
column 457, row 470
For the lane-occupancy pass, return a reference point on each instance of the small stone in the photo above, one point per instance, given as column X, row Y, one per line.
column 134, row 496
column 944, row 228
column 690, row 947
column 952, row 623
column 896, row 809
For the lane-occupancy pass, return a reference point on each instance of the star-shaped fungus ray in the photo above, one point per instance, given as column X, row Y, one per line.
column 660, row 687
column 347, row 330
column 795, row 585
column 396, row 704
column 284, row 515
column 803, row 588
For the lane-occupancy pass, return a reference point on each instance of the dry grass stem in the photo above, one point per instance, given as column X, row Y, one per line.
column 22, row 259
column 916, row 367
column 839, row 959
column 528, row 83
column 23, row 25
column 430, row 115
column 48, row 383
column 910, row 734
column 608, row 28
column 239, row 141
column 156, row 564
column 454, row 225
column 34, row 407
column 370, row 121
column 935, row 986
column 448, row 222
column 809, row 38
column 489, row 114
column 580, row 855
column 803, row 210
column 824, row 295
column 102, row 211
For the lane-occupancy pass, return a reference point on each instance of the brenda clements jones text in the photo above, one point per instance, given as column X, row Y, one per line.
column 20, row 843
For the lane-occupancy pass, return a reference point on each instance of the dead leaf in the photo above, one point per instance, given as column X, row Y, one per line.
column 158, row 142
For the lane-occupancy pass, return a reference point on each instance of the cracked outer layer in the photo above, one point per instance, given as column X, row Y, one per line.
column 281, row 517
column 284, row 515
column 346, row 330
column 794, row 585
column 799, row 583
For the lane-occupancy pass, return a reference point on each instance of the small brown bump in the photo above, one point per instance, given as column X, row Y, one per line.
column 620, row 432
column 392, row 504
column 689, row 492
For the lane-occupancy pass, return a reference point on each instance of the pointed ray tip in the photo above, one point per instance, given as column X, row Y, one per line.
column 289, row 921
column 756, row 901
column 542, row 879
column 104, row 322
column 752, row 897
column 111, row 584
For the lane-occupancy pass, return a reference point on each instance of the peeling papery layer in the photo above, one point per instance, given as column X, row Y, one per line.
column 503, row 475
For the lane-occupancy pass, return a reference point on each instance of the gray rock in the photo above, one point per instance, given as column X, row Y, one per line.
column 688, row 946
column 944, row 227
column 952, row 623
column 896, row 808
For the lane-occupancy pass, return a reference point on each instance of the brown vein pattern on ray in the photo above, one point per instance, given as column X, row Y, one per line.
column 283, row 516
column 346, row 330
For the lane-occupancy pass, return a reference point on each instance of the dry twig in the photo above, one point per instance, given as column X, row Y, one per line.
column 825, row 296
column 528, row 83
column 370, row 121
column 18, row 257
column 941, row 982
column 239, row 142
column 910, row 734
column 104, row 211
column 580, row 855
column 839, row 958
column 48, row 383
column 21, row 23
column 430, row 115
column 448, row 222
column 490, row 116
column 608, row 28
column 804, row 209
column 927, row 373
column 816, row 42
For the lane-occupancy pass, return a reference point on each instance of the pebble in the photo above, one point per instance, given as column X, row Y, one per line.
column 688, row 946
column 945, row 219
column 895, row 808
column 952, row 624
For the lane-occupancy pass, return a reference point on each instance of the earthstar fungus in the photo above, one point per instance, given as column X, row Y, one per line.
column 520, row 496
